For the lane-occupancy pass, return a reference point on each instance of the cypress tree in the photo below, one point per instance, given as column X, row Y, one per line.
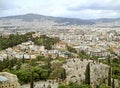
column 10, row 64
column 23, row 59
column 109, row 59
column 113, row 83
column 31, row 81
column 87, row 74
column 31, row 75
column 109, row 72
column 1, row 66
column 109, row 77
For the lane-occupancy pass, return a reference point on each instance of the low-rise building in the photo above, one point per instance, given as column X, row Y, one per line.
column 8, row 80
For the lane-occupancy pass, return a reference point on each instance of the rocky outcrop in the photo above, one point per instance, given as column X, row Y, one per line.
column 98, row 73
column 76, row 68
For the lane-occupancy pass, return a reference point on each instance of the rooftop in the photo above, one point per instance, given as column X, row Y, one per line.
column 2, row 78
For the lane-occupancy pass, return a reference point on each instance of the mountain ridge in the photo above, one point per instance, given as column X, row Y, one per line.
column 69, row 21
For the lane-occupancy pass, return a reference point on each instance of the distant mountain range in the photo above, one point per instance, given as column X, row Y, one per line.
column 68, row 21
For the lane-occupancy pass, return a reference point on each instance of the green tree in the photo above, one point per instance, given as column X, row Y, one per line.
column 104, row 86
column 49, row 86
column 23, row 59
column 113, row 83
column 10, row 64
column 63, row 86
column 18, row 65
column 110, row 71
column 71, row 49
column 87, row 74
column 23, row 75
column 116, row 60
column 31, row 80
column 109, row 76
column 6, row 70
column 1, row 66
column 109, row 59
column 44, row 74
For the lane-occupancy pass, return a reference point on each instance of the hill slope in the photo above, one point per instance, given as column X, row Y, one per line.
column 68, row 21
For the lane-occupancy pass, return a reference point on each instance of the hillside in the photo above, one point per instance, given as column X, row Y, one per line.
column 67, row 21
column 31, row 17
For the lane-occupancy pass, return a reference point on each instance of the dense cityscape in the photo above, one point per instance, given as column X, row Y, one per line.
column 43, row 53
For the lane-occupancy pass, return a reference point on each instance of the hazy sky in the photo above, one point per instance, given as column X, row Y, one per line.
column 84, row 9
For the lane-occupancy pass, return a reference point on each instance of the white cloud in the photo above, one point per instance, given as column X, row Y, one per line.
column 84, row 9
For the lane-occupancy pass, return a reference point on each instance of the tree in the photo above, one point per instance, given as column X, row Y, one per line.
column 116, row 60
column 23, row 75
column 10, row 65
column 6, row 70
column 1, row 65
column 71, row 49
column 87, row 74
column 113, row 83
column 82, row 54
column 63, row 75
column 57, row 71
column 109, row 60
column 23, row 59
column 104, row 86
column 18, row 65
column 44, row 74
column 63, row 86
column 109, row 76
column 31, row 80
column 74, row 85
column 110, row 71
column 49, row 86
column 45, row 41
column 85, row 86
column 41, row 58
